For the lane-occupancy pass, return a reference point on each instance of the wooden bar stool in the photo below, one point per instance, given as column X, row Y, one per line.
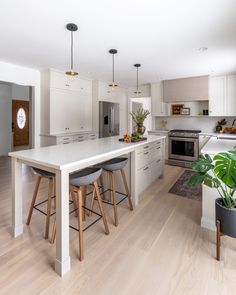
column 78, row 183
column 51, row 178
column 110, row 166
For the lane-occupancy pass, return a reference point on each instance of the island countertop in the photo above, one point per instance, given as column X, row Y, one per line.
column 62, row 156
column 216, row 145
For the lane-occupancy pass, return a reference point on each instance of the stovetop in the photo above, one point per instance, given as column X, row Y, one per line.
column 185, row 131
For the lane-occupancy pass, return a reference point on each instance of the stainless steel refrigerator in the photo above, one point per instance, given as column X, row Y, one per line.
column 109, row 119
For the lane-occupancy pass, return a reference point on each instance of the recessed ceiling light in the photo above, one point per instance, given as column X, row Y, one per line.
column 202, row 49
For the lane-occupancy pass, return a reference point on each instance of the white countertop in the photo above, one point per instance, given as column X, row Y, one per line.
column 216, row 145
column 68, row 133
column 64, row 156
column 158, row 131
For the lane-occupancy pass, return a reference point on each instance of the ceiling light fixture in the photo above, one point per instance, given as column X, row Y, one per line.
column 137, row 92
column 113, row 52
column 72, row 28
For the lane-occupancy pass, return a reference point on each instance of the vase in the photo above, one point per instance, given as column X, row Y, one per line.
column 227, row 218
column 140, row 128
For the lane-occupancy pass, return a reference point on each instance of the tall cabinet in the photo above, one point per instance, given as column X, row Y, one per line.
column 66, row 104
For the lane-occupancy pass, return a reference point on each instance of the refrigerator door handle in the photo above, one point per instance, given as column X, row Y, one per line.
column 112, row 120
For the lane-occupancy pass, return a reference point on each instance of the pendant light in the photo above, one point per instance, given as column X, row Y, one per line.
column 137, row 92
column 72, row 28
column 113, row 52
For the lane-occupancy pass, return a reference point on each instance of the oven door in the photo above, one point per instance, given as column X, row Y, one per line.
column 183, row 148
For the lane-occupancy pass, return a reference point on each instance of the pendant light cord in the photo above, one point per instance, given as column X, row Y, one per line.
column 71, row 52
column 137, row 79
column 113, row 72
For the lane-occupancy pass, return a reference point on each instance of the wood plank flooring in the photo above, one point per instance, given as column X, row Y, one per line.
column 159, row 248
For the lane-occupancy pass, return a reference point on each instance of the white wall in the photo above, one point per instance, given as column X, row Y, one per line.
column 206, row 124
column 8, row 92
column 28, row 77
column 5, row 119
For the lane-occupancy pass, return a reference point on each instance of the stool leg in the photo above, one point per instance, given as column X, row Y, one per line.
column 53, row 232
column 83, row 192
column 218, row 234
column 50, row 195
column 80, row 222
column 36, row 189
column 74, row 200
column 114, row 197
column 101, row 208
column 109, row 186
column 102, row 185
column 92, row 202
column 54, row 194
column 126, row 189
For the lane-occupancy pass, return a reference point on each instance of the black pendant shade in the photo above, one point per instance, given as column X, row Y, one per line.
column 113, row 52
column 137, row 92
column 72, row 28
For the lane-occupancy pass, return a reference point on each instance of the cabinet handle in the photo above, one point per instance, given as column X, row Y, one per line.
column 158, row 148
column 65, row 138
column 67, row 85
column 146, row 147
column 158, row 161
column 146, row 153
column 145, row 168
column 65, row 142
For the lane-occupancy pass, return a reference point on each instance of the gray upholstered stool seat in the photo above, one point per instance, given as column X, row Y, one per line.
column 43, row 173
column 85, row 176
column 114, row 164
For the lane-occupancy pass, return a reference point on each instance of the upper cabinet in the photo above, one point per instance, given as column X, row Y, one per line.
column 159, row 108
column 186, row 89
column 66, row 104
column 222, row 95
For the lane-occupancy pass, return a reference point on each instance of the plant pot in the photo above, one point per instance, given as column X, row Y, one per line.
column 140, row 128
column 227, row 218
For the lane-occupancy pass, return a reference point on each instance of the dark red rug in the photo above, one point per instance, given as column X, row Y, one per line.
column 181, row 187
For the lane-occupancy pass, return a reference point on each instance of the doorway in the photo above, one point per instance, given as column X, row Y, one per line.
column 20, row 123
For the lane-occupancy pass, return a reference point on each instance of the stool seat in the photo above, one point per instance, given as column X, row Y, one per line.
column 114, row 164
column 85, row 176
column 43, row 173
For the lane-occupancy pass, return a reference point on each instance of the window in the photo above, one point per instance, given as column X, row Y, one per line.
column 21, row 118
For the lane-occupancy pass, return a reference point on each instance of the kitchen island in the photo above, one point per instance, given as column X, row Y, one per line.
column 146, row 165
column 214, row 146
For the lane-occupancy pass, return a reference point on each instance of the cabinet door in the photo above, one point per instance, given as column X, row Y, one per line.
column 73, row 111
column 217, row 96
column 158, row 106
column 85, row 110
column 57, row 113
column 231, row 96
column 63, row 81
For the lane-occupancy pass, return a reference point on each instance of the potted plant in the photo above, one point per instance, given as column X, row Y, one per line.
column 139, row 117
column 219, row 173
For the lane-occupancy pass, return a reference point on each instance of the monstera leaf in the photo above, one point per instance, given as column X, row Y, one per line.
column 225, row 168
column 204, row 164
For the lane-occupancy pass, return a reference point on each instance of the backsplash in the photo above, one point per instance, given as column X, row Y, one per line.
column 205, row 124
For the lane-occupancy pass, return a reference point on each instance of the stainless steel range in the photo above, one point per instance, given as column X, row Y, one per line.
column 183, row 147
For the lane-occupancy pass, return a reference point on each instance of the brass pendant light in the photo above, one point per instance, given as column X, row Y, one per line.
column 72, row 28
column 137, row 92
column 113, row 52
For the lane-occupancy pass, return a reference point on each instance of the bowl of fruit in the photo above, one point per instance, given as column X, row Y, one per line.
column 134, row 137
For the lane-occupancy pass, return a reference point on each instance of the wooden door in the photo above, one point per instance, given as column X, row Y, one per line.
column 20, row 122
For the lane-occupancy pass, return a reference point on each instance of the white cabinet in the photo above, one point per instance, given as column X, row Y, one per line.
column 150, row 163
column 162, row 133
column 66, row 104
column 222, row 96
column 217, row 96
column 203, row 139
column 231, row 95
column 159, row 108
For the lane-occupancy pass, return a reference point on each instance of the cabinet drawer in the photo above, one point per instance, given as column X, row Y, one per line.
column 156, row 169
column 143, row 148
column 144, row 178
column 144, row 158
column 64, row 140
column 156, row 152
column 79, row 137
column 92, row 136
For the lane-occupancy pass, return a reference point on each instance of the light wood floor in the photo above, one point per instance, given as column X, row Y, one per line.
column 159, row 248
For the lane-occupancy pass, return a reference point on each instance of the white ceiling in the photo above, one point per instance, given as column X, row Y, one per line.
column 162, row 35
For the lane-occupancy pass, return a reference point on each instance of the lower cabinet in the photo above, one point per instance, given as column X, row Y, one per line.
column 150, row 161
column 47, row 140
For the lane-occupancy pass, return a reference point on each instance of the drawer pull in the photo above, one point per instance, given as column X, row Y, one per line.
column 145, row 168
column 66, row 142
column 158, row 148
column 80, row 137
column 158, row 161
column 146, row 147
column 67, row 85
column 66, row 138
column 146, row 153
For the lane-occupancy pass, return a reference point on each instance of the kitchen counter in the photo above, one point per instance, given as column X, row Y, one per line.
column 147, row 164
column 216, row 145
column 209, row 195
column 219, row 135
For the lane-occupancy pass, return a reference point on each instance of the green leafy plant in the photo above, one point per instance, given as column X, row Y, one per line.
column 218, row 173
column 139, row 116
